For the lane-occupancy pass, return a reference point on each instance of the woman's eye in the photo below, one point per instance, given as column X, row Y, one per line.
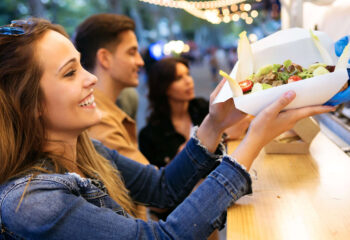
column 70, row 73
column 179, row 77
column 132, row 52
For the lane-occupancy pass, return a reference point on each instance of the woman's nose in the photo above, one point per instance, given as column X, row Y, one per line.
column 90, row 79
column 189, row 80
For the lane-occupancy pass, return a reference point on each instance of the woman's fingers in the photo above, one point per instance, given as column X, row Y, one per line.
column 299, row 113
column 309, row 111
column 281, row 103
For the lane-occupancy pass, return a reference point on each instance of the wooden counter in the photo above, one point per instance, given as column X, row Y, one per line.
column 295, row 196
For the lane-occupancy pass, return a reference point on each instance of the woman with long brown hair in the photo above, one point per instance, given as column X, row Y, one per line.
column 56, row 184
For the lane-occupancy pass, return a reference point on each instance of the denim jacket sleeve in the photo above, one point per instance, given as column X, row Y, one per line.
column 166, row 187
column 53, row 211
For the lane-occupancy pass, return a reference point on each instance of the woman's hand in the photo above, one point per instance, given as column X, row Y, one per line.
column 238, row 130
column 221, row 116
column 269, row 124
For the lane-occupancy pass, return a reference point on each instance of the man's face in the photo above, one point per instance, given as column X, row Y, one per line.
column 126, row 61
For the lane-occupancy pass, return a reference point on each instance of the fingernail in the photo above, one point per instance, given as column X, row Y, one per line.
column 290, row 95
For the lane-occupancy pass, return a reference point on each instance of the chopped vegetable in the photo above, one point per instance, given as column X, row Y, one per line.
column 260, row 86
column 283, row 76
column 274, row 75
column 246, row 85
column 316, row 65
column 287, row 63
column 305, row 74
column 276, row 67
column 266, row 86
column 264, row 70
column 320, row 71
column 257, row 87
column 294, row 78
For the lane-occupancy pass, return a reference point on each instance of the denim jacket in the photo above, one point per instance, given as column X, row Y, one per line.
column 66, row 206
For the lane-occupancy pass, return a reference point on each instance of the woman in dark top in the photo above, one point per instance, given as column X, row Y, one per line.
column 174, row 110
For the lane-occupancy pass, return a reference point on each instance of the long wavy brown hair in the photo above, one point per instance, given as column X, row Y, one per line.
column 22, row 130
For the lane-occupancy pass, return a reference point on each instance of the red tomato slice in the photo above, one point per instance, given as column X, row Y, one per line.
column 294, row 78
column 246, row 85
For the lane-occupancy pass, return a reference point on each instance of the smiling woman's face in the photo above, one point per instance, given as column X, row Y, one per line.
column 69, row 106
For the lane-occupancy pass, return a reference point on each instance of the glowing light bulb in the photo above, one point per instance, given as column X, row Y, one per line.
column 234, row 8
column 241, row 7
column 254, row 13
column 247, row 7
column 235, row 17
column 249, row 20
column 252, row 37
column 244, row 15
column 226, row 19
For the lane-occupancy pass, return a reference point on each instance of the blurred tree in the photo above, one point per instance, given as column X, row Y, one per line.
column 115, row 6
column 10, row 10
column 36, row 8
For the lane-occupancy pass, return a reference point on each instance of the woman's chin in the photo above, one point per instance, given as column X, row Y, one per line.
column 96, row 120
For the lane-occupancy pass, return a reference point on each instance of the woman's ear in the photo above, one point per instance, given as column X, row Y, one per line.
column 103, row 58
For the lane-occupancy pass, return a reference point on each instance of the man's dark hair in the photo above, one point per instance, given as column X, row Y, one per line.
column 100, row 31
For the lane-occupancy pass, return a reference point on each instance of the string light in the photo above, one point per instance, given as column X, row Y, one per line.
column 234, row 8
column 252, row 37
column 254, row 13
column 244, row 15
column 247, row 7
column 198, row 5
column 249, row 20
column 215, row 11
column 235, row 17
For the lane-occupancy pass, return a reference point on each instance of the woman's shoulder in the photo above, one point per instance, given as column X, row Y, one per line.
column 34, row 201
column 34, row 185
column 47, row 181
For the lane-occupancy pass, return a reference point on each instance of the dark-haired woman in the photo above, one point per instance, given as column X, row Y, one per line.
column 174, row 111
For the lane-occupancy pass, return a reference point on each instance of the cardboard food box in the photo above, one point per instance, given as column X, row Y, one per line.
column 296, row 142
column 297, row 45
